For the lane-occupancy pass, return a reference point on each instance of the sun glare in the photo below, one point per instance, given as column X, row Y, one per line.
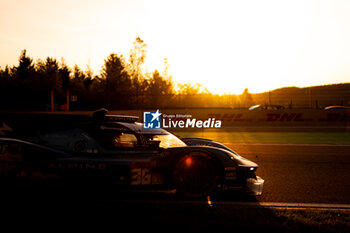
column 230, row 45
column 228, row 51
column 226, row 46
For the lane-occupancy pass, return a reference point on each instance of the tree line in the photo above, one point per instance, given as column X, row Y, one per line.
column 121, row 84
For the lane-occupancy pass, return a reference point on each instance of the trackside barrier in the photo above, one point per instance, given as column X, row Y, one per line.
column 293, row 119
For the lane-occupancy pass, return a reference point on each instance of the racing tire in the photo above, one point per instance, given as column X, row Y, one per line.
column 196, row 175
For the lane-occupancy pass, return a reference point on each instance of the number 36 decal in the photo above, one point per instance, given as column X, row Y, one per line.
column 144, row 176
column 141, row 176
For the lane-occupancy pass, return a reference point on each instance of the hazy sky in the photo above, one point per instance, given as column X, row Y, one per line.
column 224, row 45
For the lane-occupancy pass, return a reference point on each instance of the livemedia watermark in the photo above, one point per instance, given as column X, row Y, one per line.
column 156, row 120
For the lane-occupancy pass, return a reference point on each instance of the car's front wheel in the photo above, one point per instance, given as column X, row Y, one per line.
column 196, row 175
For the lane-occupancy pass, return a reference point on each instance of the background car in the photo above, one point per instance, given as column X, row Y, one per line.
column 336, row 107
column 266, row 107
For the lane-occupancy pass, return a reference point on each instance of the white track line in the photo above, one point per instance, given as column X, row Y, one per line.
column 275, row 144
column 238, row 204
column 287, row 205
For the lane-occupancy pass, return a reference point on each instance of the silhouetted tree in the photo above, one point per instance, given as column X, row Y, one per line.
column 64, row 75
column 88, row 81
column 48, row 71
column 190, row 95
column 5, row 87
column 25, row 66
column 125, row 84
column 117, row 81
column 160, row 90
column 21, row 80
column 246, row 98
column 135, row 70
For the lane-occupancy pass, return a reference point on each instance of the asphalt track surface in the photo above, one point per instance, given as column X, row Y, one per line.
column 301, row 173
column 306, row 176
column 293, row 173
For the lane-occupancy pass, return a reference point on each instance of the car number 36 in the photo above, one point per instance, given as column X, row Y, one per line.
column 144, row 176
column 141, row 176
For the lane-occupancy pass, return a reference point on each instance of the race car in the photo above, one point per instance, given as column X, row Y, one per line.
column 117, row 150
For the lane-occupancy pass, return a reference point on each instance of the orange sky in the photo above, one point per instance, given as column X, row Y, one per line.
column 224, row 45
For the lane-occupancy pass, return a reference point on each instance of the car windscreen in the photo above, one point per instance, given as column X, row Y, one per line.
column 166, row 140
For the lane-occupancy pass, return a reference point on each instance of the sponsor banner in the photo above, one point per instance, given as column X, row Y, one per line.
column 227, row 118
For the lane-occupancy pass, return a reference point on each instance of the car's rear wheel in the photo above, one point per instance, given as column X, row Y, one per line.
column 196, row 175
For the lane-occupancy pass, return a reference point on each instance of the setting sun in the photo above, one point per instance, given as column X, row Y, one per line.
column 226, row 46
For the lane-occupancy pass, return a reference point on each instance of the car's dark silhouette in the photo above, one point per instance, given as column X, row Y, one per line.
column 117, row 150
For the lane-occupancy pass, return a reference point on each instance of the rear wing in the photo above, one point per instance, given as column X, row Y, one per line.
column 21, row 124
column 101, row 116
column 26, row 124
